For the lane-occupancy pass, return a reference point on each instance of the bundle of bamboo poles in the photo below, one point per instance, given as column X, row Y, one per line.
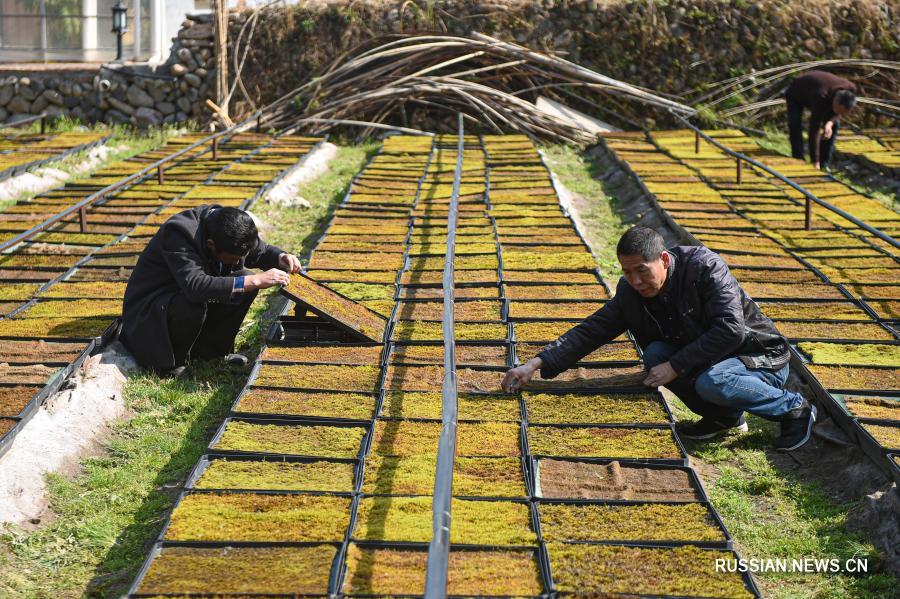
column 416, row 81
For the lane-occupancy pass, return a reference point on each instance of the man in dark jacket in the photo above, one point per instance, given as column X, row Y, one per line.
column 827, row 97
column 702, row 337
column 190, row 290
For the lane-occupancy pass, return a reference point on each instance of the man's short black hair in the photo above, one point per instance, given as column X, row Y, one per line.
column 641, row 240
column 232, row 231
column 845, row 98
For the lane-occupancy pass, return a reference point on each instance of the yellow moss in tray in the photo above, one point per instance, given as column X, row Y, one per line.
column 645, row 522
column 254, row 517
column 493, row 355
column 839, row 377
column 75, row 308
column 546, row 408
column 329, row 354
column 412, row 404
column 478, row 573
column 239, row 570
column 886, row 408
column 827, row 330
column 312, row 376
column 105, row 289
column 54, row 328
column 474, row 522
column 433, row 331
column 277, row 476
column 359, row 318
column 17, row 291
column 552, row 309
column 618, row 442
column 405, row 438
column 364, row 291
column 324, row 404
column 640, row 570
column 479, row 310
column 852, row 354
column 541, row 331
column 552, row 292
column 814, row 310
column 324, row 441
column 494, row 439
column 888, row 436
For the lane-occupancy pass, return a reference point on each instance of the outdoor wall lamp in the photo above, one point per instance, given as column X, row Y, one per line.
column 119, row 26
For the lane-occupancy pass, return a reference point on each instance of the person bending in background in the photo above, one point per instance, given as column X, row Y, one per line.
column 190, row 289
column 701, row 335
column 828, row 98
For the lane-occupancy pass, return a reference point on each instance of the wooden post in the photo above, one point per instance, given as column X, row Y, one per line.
column 696, row 142
column 82, row 217
column 808, row 218
column 215, row 148
column 160, row 178
column 739, row 174
column 220, row 9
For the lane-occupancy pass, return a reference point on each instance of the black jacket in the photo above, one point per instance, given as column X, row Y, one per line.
column 701, row 309
column 176, row 261
column 815, row 90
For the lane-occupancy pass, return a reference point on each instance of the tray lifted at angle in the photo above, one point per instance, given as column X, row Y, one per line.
column 354, row 318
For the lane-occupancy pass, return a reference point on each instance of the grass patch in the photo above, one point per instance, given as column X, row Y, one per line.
column 602, row 217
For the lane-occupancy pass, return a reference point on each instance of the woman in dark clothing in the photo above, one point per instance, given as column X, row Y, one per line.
column 827, row 97
column 190, row 289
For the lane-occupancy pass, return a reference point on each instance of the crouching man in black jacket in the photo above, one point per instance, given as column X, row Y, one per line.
column 190, row 289
column 702, row 337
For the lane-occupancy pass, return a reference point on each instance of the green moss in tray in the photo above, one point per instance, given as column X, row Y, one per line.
column 492, row 355
column 364, row 291
column 405, row 438
column 433, row 331
column 75, row 308
column 237, row 570
column 813, row 310
column 323, row 404
column 478, row 573
column 827, row 330
column 618, row 442
column 541, row 331
column 888, row 436
column 645, row 522
column 324, row 441
column 852, row 354
column 546, row 408
column 328, row 354
column 886, row 408
column 553, row 292
column 620, row 351
column 840, row 377
column 474, row 522
column 256, row 517
column 314, row 376
column 414, row 475
column 642, row 570
column 552, row 309
column 411, row 404
column 277, row 476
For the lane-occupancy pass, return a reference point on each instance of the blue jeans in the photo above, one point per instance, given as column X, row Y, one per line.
column 728, row 388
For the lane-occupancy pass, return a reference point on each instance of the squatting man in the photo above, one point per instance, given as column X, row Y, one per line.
column 191, row 288
column 702, row 337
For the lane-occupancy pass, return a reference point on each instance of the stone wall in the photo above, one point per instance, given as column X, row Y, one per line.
column 173, row 92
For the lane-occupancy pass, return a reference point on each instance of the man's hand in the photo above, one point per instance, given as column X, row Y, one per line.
column 288, row 263
column 829, row 129
column 264, row 280
column 517, row 377
column 661, row 374
column 816, row 164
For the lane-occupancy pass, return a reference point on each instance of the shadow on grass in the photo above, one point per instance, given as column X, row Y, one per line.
column 115, row 573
